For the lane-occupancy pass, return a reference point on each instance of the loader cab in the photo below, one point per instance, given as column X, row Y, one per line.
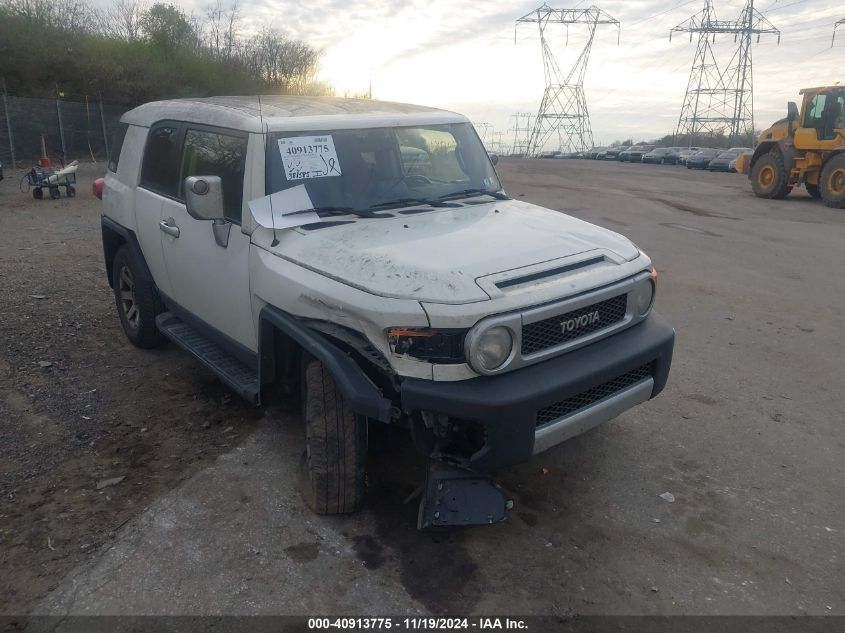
column 821, row 126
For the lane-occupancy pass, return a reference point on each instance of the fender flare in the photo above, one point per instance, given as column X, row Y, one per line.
column 787, row 150
column 358, row 390
column 111, row 229
column 836, row 152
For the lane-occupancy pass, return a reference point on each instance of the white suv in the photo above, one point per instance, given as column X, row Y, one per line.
column 363, row 254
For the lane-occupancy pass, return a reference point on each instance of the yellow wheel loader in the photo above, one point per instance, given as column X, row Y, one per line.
column 810, row 153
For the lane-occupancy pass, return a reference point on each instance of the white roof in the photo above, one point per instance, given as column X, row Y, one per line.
column 279, row 113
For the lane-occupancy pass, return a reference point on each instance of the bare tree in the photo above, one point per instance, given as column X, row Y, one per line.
column 214, row 27
column 232, row 23
column 65, row 15
column 124, row 20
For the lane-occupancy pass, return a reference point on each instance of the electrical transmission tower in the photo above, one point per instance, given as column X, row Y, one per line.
column 483, row 130
column 497, row 144
column 521, row 133
column 836, row 26
column 563, row 110
column 721, row 101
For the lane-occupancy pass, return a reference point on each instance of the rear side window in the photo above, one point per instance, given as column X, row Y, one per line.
column 222, row 154
column 160, row 170
column 116, row 145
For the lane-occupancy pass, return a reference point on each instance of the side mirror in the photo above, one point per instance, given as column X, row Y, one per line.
column 791, row 111
column 494, row 158
column 204, row 197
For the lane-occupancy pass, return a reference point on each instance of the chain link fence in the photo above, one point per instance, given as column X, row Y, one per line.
column 78, row 128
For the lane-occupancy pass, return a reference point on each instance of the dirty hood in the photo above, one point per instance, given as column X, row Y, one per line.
column 437, row 256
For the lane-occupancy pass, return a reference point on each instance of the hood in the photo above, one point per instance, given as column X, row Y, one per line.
column 437, row 256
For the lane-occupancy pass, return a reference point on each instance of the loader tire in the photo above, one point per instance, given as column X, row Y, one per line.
column 769, row 178
column 832, row 182
column 332, row 477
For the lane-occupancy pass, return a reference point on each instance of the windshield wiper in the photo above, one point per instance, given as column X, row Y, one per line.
column 363, row 213
column 404, row 202
column 465, row 193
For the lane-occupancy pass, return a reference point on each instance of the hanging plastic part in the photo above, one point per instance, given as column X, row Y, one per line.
column 455, row 496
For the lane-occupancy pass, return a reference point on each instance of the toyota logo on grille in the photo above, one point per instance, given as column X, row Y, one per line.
column 576, row 323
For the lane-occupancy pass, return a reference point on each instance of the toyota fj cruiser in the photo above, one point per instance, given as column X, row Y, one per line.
column 364, row 255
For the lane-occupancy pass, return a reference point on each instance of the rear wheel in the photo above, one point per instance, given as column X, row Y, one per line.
column 833, row 182
column 137, row 301
column 38, row 193
column 334, row 463
column 814, row 191
column 769, row 177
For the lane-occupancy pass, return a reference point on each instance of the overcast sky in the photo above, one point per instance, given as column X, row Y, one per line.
column 461, row 55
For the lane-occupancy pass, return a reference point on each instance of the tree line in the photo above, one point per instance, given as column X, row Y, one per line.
column 715, row 140
column 133, row 52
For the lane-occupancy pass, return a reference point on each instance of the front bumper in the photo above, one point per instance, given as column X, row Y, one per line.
column 509, row 406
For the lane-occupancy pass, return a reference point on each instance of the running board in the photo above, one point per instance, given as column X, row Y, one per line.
column 231, row 371
column 454, row 496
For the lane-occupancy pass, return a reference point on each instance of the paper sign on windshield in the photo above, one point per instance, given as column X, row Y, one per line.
column 305, row 157
column 284, row 209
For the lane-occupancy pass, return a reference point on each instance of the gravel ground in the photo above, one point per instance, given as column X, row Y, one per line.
column 78, row 404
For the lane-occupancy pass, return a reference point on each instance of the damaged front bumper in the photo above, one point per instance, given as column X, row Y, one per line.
column 534, row 408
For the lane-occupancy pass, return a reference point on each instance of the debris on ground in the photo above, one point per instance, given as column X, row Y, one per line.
column 45, row 364
column 668, row 496
column 107, row 483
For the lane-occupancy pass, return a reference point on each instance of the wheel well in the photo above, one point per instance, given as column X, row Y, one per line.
column 282, row 342
column 112, row 240
column 762, row 149
column 280, row 359
column 834, row 153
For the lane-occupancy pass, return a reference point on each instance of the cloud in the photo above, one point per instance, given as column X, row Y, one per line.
column 460, row 54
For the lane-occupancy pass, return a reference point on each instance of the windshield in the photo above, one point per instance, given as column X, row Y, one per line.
column 360, row 168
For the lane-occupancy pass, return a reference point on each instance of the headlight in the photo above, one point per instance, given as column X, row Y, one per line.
column 433, row 346
column 491, row 349
column 642, row 296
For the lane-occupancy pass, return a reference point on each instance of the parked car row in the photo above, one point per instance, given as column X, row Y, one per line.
column 692, row 157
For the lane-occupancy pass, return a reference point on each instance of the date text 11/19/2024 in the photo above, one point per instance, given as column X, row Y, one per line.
column 418, row 624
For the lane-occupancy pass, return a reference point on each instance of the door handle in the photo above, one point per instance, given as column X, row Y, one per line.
column 169, row 227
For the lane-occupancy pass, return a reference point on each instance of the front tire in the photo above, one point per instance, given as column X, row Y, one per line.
column 137, row 301
column 833, row 182
column 769, row 178
column 334, row 463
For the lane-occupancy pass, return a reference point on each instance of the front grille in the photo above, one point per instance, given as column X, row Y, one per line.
column 552, row 331
column 589, row 397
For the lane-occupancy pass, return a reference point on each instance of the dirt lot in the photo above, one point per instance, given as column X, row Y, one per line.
column 100, row 410
column 748, row 437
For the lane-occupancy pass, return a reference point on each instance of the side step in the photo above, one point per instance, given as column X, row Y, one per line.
column 240, row 377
